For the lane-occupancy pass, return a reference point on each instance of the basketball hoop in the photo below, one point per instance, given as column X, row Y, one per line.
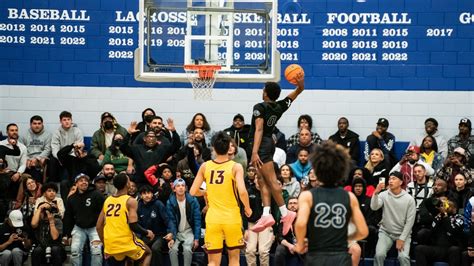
column 202, row 78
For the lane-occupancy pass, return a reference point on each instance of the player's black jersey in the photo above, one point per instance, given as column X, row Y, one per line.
column 328, row 220
column 270, row 112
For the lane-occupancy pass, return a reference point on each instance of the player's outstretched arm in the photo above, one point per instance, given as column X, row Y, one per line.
column 358, row 219
column 132, row 217
column 100, row 226
column 238, row 172
column 305, row 202
column 195, row 188
column 299, row 88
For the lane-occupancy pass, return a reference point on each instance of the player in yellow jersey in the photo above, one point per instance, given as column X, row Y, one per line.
column 117, row 223
column 224, row 186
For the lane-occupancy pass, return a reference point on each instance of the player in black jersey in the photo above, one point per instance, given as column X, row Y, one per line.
column 264, row 119
column 325, row 212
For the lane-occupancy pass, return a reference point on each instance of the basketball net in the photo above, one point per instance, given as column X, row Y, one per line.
column 202, row 78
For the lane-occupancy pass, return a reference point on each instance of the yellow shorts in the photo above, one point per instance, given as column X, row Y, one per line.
column 217, row 233
column 134, row 254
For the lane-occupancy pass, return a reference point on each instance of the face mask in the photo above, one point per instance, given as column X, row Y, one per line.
column 148, row 118
column 118, row 142
column 108, row 125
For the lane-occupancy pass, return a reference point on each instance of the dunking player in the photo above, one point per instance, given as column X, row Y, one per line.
column 223, row 220
column 264, row 119
column 116, row 226
column 325, row 212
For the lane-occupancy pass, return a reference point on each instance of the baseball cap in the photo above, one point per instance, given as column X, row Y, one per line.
column 431, row 119
column 105, row 115
column 16, row 218
column 397, row 175
column 81, row 175
column 179, row 181
column 239, row 116
column 465, row 121
column 414, row 149
column 383, row 122
column 100, row 176
column 460, row 151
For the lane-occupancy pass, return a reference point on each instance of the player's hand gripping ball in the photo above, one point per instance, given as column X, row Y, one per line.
column 293, row 71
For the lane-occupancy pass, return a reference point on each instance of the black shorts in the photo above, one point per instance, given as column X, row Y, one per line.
column 328, row 258
column 266, row 150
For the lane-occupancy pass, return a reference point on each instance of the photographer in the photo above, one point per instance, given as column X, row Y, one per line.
column 48, row 228
column 455, row 164
column 15, row 242
column 49, row 192
column 445, row 242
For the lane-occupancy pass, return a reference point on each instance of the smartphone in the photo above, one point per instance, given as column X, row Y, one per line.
column 382, row 180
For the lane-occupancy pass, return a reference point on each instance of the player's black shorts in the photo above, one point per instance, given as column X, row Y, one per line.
column 328, row 258
column 267, row 149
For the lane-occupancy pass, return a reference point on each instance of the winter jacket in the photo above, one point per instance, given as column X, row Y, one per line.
column 98, row 140
column 193, row 215
column 153, row 216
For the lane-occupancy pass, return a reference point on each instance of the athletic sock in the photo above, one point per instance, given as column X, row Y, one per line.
column 266, row 211
column 283, row 210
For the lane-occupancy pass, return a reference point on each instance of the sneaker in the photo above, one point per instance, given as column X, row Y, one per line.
column 262, row 223
column 288, row 222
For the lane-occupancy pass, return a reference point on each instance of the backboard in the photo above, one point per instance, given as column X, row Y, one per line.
column 240, row 36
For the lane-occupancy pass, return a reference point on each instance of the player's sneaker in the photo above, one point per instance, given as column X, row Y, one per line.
column 288, row 221
column 262, row 223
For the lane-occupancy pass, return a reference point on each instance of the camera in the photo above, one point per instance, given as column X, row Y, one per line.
column 51, row 208
column 20, row 232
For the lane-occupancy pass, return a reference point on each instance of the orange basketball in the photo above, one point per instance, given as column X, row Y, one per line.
column 292, row 71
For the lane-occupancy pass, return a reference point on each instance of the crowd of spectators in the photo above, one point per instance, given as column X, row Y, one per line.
column 52, row 188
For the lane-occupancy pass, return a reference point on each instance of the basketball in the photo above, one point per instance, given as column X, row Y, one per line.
column 292, row 71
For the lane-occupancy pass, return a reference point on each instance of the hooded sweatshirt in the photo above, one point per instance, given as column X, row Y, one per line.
column 83, row 209
column 300, row 170
column 63, row 137
column 37, row 144
column 293, row 187
column 399, row 212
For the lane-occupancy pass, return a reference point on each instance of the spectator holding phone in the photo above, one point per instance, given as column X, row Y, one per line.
column 14, row 240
